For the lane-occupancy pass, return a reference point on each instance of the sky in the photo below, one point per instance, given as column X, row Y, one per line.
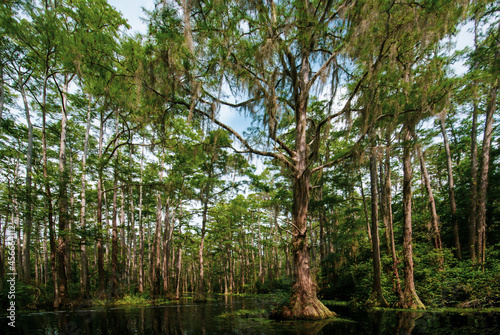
column 133, row 12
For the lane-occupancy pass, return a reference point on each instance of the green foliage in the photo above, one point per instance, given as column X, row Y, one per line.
column 27, row 297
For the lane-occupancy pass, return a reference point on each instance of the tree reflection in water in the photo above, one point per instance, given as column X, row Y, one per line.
column 188, row 318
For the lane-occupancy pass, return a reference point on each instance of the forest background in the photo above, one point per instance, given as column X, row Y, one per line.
column 379, row 177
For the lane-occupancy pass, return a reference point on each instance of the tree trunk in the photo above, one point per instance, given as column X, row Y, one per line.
column 100, row 251
column 2, row 92
column 2, row 253
column 48, row 197
column 141, row 233
column 200, row 292
column 483, row 176
column 473, row 187
column 304, row 304
column 376, row 297
column 383, row 209
column 132, row 236
column 411, row 299
column 26, row 273
column 63, row 198
column 179, row 264
column 473, row 165
column 451, row 192
column 436, row 236
column 167, row 240
column 155, row 250
column 83, row 242
column 114, row 218
column 365, row 210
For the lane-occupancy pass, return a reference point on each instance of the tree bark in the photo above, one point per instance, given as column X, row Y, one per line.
column 376, row 297
column 141, row 232
column 365, row 210
column 83, row 222
column 26, row 273
column 100, row 251
column 436, row 236
column 411, row 299
column 48, row 198
column 114, row 218
column 451, row 191
column 473, row 165
column 483, row 176
column 304, row 304
column 63, row 198
column 200, row 292
column 2, row 92
column 167, row 240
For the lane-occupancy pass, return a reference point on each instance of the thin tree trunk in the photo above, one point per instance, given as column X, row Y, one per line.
column 411, row 299
column 132, row 236
column 483, row 176
column 167, row 238
column 48, row 195
column 63, row 197
column 384, row 210
column 156, row 249
column 200, row 292
column 179, row 264
column 365, row 210
column 100, row 251
column 83, row 242
column 2, row 92
column 436, row 236
column 261, row 274
column 376, row 296
column 451, row 191
column 141, row 233
column 473, row 187
column 26, row 273
column 114, row 238
column 473, row 165
column 114, row 218
column 2, row 253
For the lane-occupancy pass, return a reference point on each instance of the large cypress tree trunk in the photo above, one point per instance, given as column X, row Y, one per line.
column 411, row 299
column 304, row 304
column 376, row 296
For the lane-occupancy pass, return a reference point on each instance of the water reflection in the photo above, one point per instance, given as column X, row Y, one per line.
column 189, row 318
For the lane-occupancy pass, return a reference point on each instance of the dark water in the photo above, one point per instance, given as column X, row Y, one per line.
column 191, row 318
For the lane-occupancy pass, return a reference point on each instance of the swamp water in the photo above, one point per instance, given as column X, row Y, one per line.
column 187, row 317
